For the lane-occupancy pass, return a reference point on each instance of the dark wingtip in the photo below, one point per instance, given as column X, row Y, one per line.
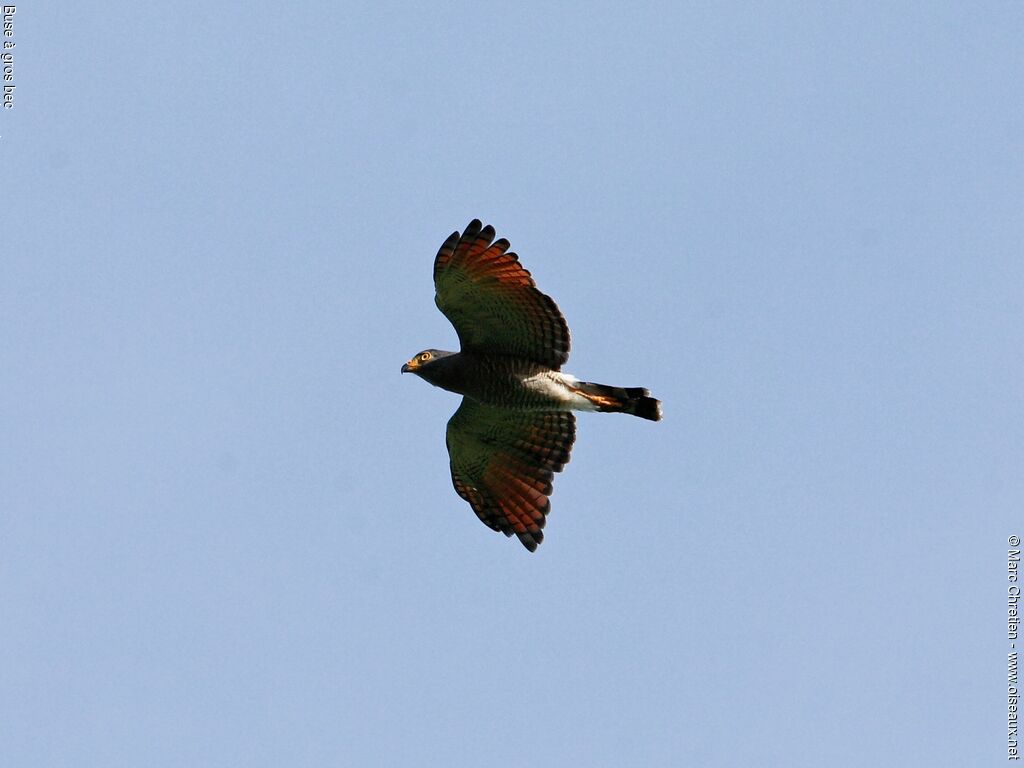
column 531, row 540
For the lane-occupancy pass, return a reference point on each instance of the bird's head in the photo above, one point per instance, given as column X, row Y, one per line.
column 425, row 359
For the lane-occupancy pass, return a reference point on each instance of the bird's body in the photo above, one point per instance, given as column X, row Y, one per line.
column 492, row 379
column 523, row 385
column 514, row 428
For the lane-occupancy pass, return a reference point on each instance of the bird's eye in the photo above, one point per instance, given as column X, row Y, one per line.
column 425, row 356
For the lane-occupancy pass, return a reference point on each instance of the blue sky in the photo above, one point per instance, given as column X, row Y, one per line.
column 227, row 531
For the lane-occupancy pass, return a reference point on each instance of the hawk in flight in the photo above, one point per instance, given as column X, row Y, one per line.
column 515, row 427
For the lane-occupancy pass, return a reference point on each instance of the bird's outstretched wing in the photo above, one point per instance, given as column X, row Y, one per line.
column 503, row 462
column 493, row 302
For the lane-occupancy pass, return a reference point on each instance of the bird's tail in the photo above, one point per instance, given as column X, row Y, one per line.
column 634, row 400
